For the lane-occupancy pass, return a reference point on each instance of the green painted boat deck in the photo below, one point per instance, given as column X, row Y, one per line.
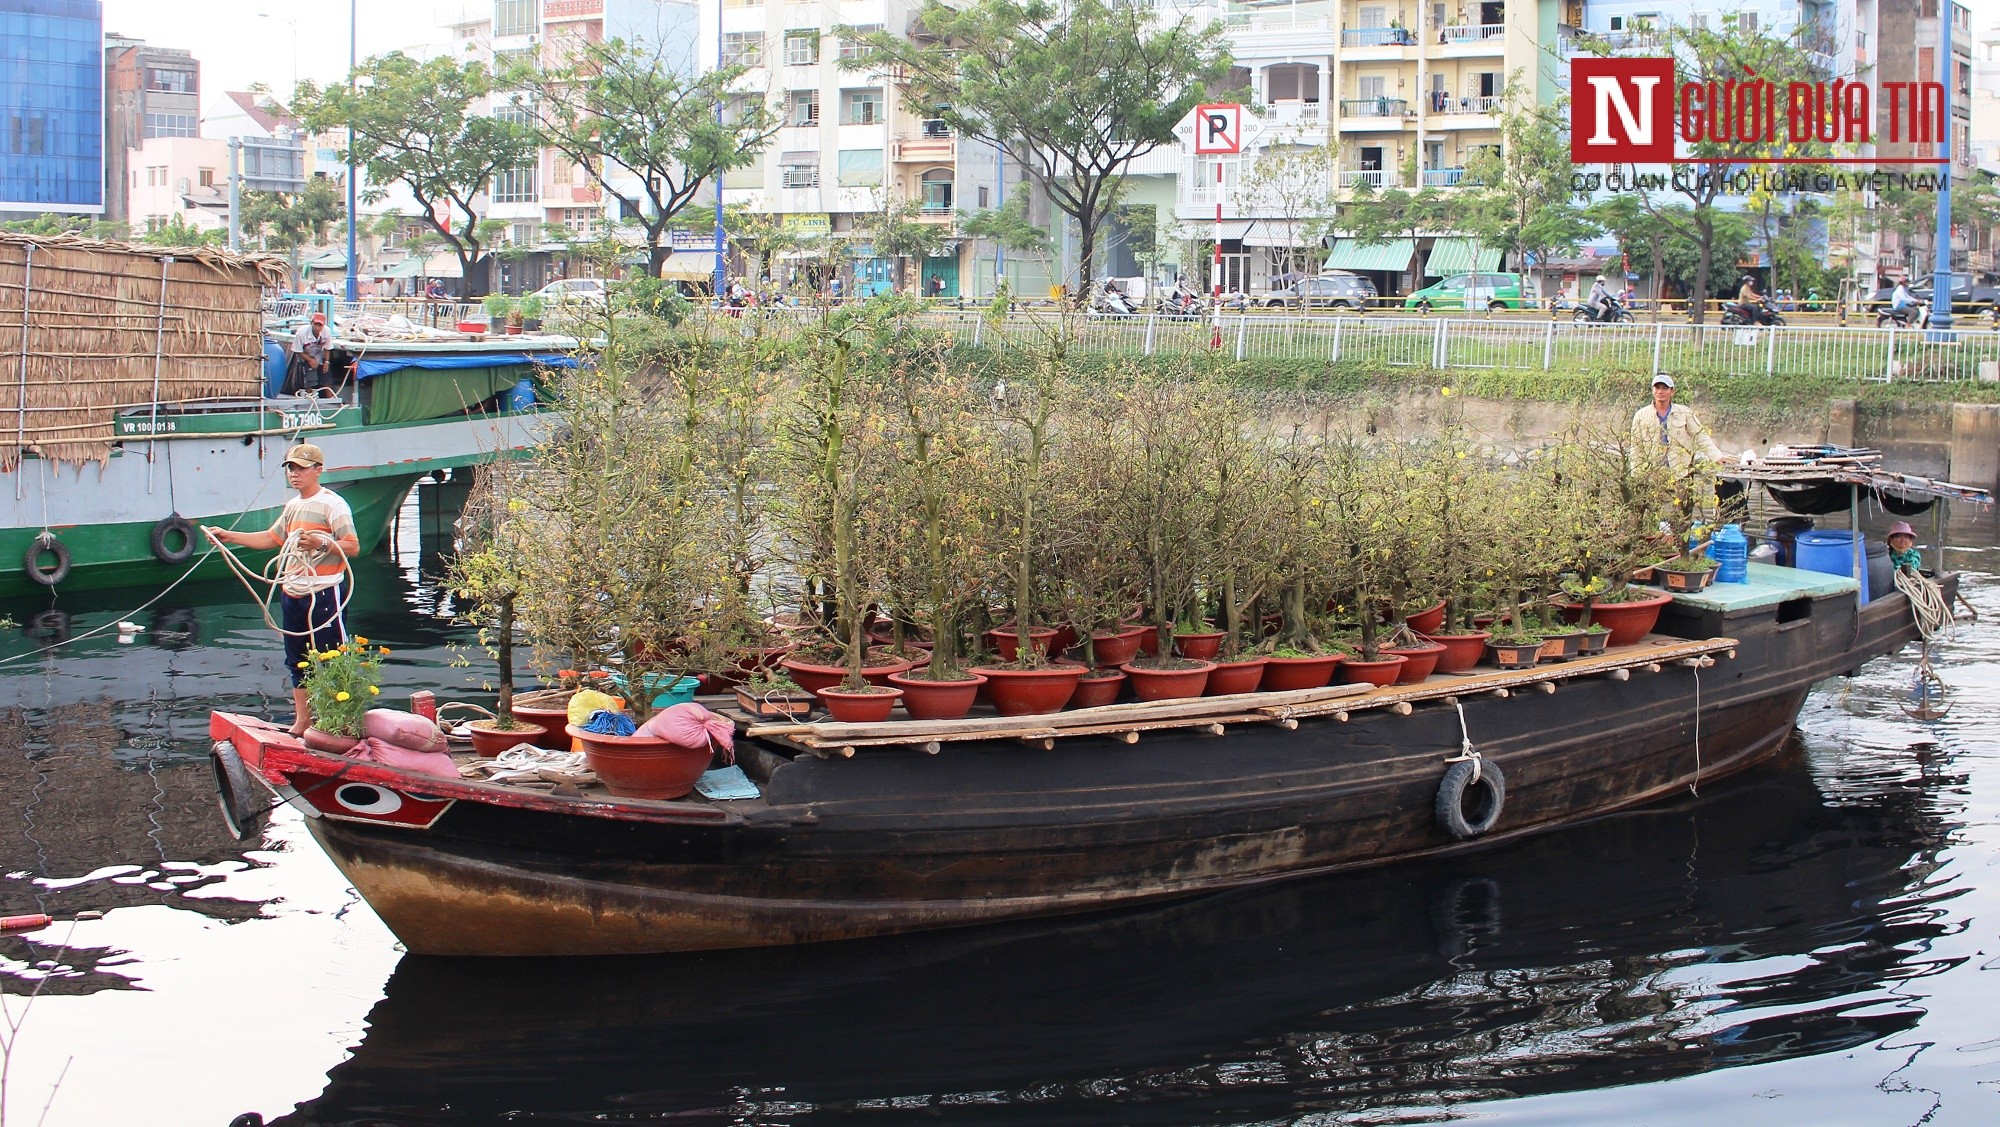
column 1769, row 585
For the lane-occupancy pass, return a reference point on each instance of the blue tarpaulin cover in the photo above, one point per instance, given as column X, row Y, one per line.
column 376, row 366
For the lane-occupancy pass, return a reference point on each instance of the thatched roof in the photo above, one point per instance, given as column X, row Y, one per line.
column 104, row 323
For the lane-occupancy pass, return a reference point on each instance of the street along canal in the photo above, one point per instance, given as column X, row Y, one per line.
column 1815, row 941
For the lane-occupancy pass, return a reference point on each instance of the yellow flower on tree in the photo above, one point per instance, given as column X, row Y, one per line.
column 343, row 695
column 374, row 690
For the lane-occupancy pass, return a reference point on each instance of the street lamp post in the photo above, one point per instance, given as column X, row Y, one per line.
column 292, row 91
column 721, row 267
column 353, row 271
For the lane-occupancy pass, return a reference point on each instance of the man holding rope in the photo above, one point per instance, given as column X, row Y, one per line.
column 314, row 536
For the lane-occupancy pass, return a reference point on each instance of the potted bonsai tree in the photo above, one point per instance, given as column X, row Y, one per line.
column 479, row 578
column 1302, row 554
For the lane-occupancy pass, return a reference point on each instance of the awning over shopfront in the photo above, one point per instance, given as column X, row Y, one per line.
column 1352, row 254
column 1203, row 230
column 1274, row 233
column 331, row 260
column 408, row 268
column 1455, row 256
column 688, row 267
column 443, row 266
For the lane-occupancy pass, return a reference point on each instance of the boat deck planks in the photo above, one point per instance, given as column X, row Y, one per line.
column 1130, row 720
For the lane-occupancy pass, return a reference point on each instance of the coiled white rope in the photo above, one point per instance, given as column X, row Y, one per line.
column 290, row 555
column 1927, row 602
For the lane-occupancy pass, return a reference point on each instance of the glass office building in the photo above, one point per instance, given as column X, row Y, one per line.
column 51, row 106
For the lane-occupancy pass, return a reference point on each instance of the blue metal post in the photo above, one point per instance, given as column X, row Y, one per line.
column 721, row 266
column 1941, row 286
column 353, row 267
column 1000, row 248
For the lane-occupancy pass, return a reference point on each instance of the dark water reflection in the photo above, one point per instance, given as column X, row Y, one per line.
column 1813, row 942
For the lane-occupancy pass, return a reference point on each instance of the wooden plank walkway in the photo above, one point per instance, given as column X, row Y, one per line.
column 1127, row 722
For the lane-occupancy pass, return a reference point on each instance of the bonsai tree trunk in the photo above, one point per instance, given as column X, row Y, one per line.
column 505, row 659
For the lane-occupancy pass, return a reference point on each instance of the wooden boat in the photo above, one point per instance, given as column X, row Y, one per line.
column 863, row 830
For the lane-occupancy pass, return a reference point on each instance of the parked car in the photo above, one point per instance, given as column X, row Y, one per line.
column 1324, row 291
column 1472, row 291
column 573, row 291
column 1967, row 296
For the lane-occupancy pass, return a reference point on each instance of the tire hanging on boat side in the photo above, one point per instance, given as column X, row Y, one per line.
column 47, row 544
column 242, row 813
column 169, row 527
column 1488, row 794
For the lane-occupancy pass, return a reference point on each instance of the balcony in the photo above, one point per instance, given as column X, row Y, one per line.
column 932, row 142
column 1377, row 37
column 1374, row 107
column 1442, row 103
column 1294, row 113
column 1443, row 177
column 1482, row 35
column 1376, row 178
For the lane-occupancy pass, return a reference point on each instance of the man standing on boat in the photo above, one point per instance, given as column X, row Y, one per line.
column 1684, row 443
column 315, row 537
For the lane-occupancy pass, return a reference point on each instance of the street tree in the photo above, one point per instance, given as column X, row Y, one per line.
column 900, row 231
column 646, row 135
column 424, row 125
column 290, row 221
column 1518, row 196
column 1072, row 92
column 1294, row 184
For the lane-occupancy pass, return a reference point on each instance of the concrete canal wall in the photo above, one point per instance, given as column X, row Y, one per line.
column 1956, row 441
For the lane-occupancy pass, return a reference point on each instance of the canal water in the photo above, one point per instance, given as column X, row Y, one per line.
column 1814, row 942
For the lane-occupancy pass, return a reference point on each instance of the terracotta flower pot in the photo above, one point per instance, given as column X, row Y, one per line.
column 1064, row 641
column 1114, row 650
column 1282, row 674
column 1380, row 672
column 329, row 742
column 641, row 766
column 489, row 741
column 1421, row 662
column 1593, row 642
column 551, row 717
column 1507, row 655
column 1099, row 687
column 1202, row 645
column 1629, row 622
column 861, row 707
column 1006, row 643
column 1461, row 651
column 1030, row 692
column 937, row 700
column 1149, row 640
column 813, row 677
column 1685, row 581
column 1428, row 620
column 1231, row 677
column 1169, row 684
column 1559, row 647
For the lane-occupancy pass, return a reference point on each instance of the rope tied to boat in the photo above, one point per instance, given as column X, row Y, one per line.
column 1466, row 752
column 1928, row 605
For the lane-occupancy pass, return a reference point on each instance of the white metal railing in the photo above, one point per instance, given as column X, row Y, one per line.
column 1443, row 177
column 1276, row 21
column 1371, row 177
column 1474, row 33
column 1295, row 113
column 1398, row 339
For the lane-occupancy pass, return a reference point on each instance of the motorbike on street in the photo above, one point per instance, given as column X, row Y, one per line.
column 1614, row 313
column 1763, row 313
column 1906, row 317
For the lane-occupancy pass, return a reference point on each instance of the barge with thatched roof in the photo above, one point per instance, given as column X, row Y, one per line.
column 138, row 408
column 855, row 830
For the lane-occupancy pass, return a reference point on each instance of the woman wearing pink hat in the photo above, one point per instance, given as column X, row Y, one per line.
column 1903, row 547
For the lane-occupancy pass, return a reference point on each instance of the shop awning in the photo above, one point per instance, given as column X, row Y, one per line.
column 1232, row 230
column 1352, row 254
column 444, row 265
column 408, row 268
column 1274, row 233
column 1455, row 256
column 688, row 267
column 331, row 260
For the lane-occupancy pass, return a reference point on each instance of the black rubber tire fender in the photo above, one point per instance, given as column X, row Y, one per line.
column 1489, row 794
column 170, row 526
column 242, row 812
column 47, row 544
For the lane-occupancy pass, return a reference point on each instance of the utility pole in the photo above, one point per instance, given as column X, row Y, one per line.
column 1941, row 286
column 722, row 100
column 353, row 267
column 235, row 193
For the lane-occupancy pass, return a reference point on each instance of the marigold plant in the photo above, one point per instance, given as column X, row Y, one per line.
column 342, row 684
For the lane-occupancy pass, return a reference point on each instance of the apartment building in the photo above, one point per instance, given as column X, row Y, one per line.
column 1910, row 35
column 51, row 108
column 850, row 145
column 1406, row 91
column 552, row 191
column 149, row 92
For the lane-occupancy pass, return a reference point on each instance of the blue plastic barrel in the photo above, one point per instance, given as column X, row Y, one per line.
column 521, row 396
column 274, row 369
column 1831, row 552
column 1731, row 552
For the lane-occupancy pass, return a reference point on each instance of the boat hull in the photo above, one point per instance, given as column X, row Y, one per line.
column 900, row 841
column 105, row 515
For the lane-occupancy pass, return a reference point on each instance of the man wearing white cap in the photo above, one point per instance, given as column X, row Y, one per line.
column 317, row 529
column 1683, row 442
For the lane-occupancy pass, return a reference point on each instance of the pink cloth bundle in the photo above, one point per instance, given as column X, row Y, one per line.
column 691, row 725
column 372, row 750
column 403, row 729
